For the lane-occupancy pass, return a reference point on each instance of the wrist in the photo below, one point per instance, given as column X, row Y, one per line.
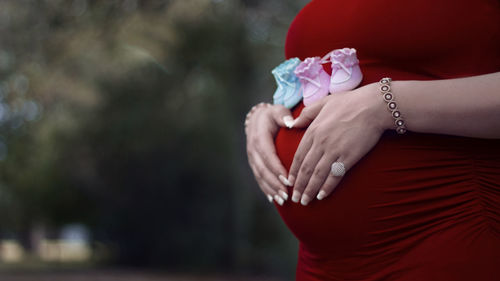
column 381, row 115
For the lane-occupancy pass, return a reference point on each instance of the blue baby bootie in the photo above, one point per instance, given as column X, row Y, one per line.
column 289, row 91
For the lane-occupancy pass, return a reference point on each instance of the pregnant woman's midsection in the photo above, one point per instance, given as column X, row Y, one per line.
column 406, row 189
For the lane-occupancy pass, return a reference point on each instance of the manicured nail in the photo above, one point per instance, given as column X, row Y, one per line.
column 305, row 200
column 279, row 200
column 296, row 196
column 289, row 122
column 283, row 195
column 321, row 195
column 270, row 198
column 291, row 180
column 284, row 180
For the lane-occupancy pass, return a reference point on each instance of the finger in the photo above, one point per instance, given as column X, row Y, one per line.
column 269, row 192
column 305, row 172
column 318, row 178
column 308, row 115
column 267, row 151
column 264, row 146
column 304, row 146
column 332, row 181
column 282, row 116
column 276, row 197
column 268, row 178
column 252, row 111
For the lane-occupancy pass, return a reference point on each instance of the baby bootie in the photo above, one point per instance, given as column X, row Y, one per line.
column 289, row 92
column 346, row 74
column 314, row 79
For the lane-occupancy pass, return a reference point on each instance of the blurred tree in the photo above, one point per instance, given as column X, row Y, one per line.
column 141, row 136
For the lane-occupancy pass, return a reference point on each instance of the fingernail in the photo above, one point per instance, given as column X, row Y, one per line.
column 321, row 195
column 270, row 198
column 291, row 180
column 279, row 200
column 305, row 200
column 296, row 196
column 283, row 195
column 289, row 122
column 284, row 180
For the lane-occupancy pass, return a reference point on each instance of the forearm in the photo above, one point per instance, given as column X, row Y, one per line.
column 463, row 107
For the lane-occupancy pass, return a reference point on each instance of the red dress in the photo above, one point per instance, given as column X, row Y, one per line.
column 418, row 206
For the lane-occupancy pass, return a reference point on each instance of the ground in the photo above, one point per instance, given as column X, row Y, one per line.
column 119, row 275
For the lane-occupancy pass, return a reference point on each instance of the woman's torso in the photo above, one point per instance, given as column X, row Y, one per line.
column 417, row 206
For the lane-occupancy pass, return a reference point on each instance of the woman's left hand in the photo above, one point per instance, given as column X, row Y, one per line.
column 343, row 127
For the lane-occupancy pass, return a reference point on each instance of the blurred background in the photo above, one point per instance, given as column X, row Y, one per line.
column 122, row 149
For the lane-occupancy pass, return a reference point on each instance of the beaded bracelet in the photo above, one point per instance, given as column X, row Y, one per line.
column 385, row 90
column 252, row 110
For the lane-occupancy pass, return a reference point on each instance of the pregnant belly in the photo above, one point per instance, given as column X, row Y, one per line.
column 405, row 189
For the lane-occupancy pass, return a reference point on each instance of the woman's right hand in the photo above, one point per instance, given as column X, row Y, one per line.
column 261, row 126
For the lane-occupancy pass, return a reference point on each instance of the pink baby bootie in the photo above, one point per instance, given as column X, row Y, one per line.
column 314, row 79
column 346, row 74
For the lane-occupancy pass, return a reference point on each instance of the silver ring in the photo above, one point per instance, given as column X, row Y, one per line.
column 338, row 169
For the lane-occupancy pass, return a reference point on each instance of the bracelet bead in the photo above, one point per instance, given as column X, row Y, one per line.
column 388, row 96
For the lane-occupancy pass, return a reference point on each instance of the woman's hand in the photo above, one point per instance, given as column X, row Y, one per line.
column 261, row 127
column 343, row 128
